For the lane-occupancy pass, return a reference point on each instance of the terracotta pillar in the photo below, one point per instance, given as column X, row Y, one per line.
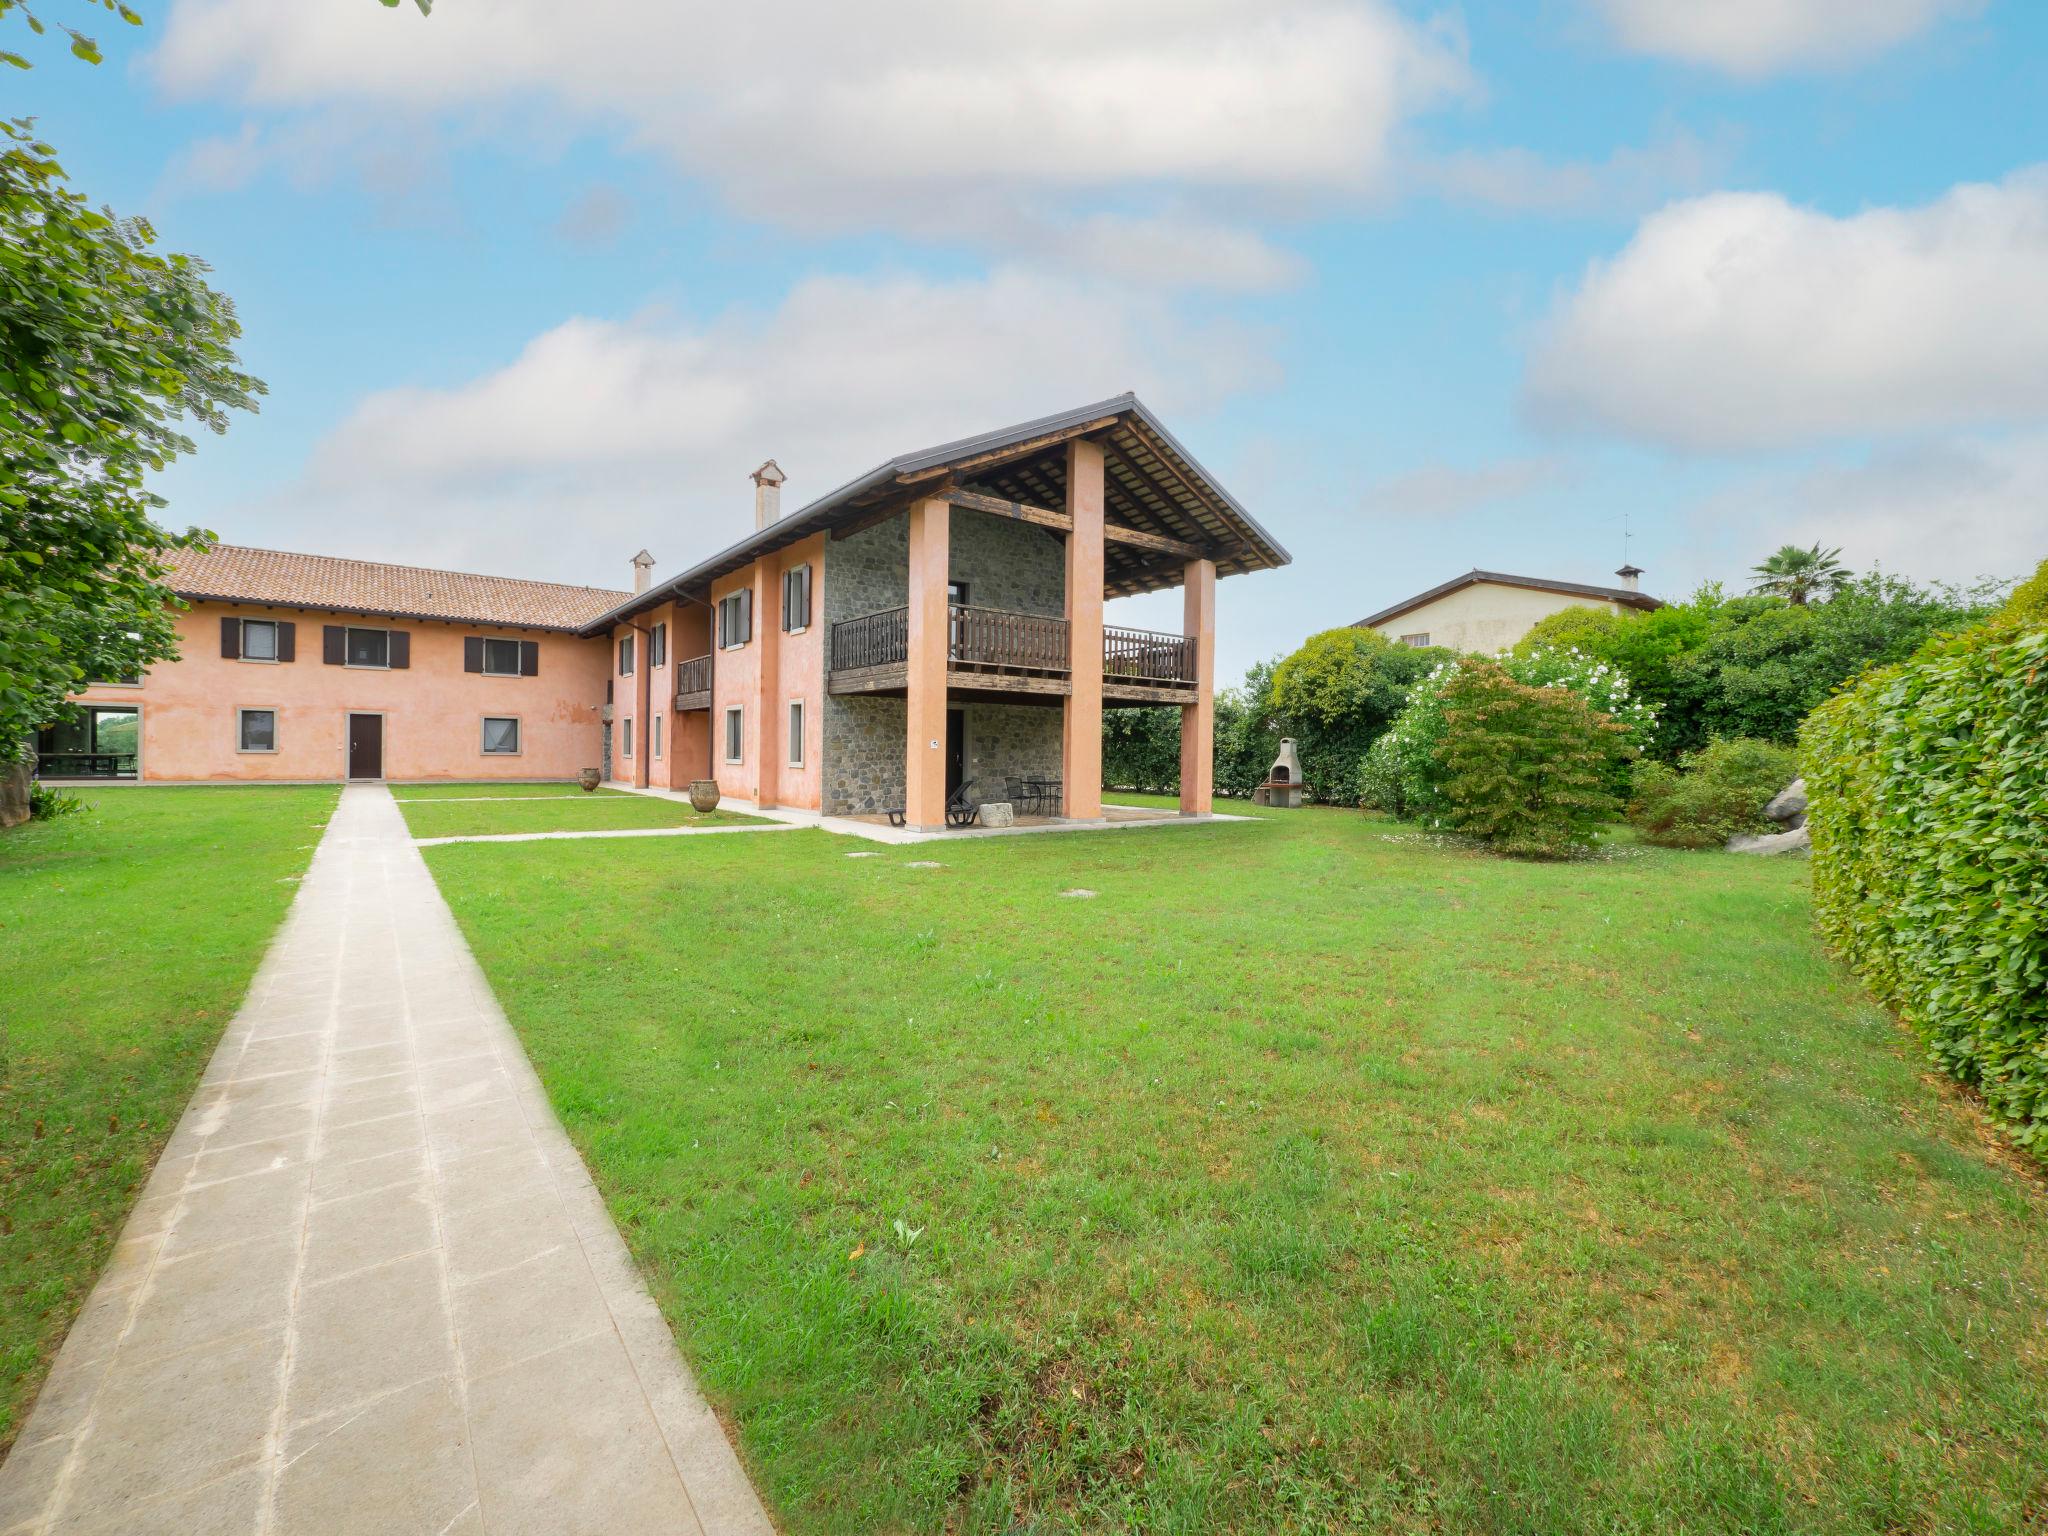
column 924, row 743
column 767, row 679
column 1082, row 766
column 1198, row 720
column 642, row 676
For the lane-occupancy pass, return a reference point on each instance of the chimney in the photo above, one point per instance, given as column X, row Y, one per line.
column 768, row 494
column 1631, row 577
column 642, row 564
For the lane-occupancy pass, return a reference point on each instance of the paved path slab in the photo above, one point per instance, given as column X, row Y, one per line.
column 370, row 1287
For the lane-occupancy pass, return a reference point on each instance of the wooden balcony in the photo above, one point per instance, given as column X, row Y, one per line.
column 991, row 651
column 693, row 683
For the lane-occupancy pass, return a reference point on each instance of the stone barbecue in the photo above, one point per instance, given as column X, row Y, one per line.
column 1283, row 784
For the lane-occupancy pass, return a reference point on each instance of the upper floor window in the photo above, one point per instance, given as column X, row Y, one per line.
column 501, row 658
column 369, row 647
column 625, row 655
column 736, row 619
column 796, row 599
column 956, row 592
column 657, row 646
column 1416, row 640
column 255, row 640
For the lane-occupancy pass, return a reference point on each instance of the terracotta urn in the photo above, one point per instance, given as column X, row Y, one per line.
column 704, row 794
column 589, row 778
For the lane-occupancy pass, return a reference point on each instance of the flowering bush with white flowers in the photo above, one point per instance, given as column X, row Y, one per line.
column 1401, row 774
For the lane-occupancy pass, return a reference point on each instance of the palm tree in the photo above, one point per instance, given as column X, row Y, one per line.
column 1796, row 574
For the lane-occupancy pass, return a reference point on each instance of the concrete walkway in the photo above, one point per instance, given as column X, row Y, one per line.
column 370, row 1287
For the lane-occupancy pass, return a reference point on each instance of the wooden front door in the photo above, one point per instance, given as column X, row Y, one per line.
column 366, row 746
column 956, row 750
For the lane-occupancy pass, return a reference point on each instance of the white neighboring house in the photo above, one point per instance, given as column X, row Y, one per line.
column 1488, row 611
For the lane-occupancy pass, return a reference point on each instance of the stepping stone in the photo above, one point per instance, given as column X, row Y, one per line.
column 866, row 853
column 924, row 864
column 1081, row 891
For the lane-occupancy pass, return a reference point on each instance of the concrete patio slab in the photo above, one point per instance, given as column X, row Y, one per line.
column 370, row 1286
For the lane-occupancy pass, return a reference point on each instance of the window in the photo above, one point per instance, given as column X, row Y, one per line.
column 796, row 600
column 655, row 726
column 735, row 734
column 796, row 733
column 956, row 592
column 501, row 736
column 256, row 730
column 625, row 656
column 367, row 647
column 259, row 640
column 92, row 744
column 736, row 619
column 626, row 737
column 1418, row 641
column 657, row 646
column 501, row 658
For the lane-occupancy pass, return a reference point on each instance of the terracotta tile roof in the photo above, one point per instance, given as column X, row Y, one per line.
column 236, row 573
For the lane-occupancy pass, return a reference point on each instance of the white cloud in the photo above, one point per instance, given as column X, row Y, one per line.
column 1944, row 511
column 1740, row 321
column 604, row 435
column 814, row 114
column 1759, row 37
column 1446, row 490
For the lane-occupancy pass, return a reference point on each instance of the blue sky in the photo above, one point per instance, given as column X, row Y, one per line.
column 1428, row 287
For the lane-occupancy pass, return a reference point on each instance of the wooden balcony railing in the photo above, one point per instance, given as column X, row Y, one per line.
column 692, row 677
column 872, row 640
column 995, row 639
column 1146, row 656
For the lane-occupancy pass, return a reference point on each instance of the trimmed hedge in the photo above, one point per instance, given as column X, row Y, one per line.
column 1927, row 787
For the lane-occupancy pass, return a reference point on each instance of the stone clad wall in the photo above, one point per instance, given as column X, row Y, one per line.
column 1006, row 564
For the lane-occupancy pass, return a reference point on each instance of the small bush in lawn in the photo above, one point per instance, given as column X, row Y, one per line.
column 1714, row 794
column 1527, row 769
column 47, row 804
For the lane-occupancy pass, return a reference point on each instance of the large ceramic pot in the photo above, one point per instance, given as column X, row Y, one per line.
column 704, row 794
column 589, row 778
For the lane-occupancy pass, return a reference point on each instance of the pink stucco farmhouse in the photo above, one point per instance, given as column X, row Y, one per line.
column 937, row 622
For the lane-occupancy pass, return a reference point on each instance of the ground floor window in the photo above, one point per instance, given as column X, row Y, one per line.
column 501, row 735
column 656, row 724
column 735, row 734
column 255, row 730
column 626, row 738
column 96, row 743
column 796, row 733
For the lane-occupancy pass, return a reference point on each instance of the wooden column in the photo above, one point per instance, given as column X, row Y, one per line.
column 768, row 730
column 924, row 741
column 1198, row 720
column 1082, row 757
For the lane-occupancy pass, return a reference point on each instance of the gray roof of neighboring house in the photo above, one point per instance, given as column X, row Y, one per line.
column 1622, row 595
column 1150, row 483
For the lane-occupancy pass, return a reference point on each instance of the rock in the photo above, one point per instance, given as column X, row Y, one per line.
column 998, row 813
column 1798, row 840
column 14, row 782
column 1788, row 803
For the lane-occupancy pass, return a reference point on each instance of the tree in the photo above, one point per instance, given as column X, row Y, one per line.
column 1796, row 574
column 107, row 348
column 1336, row 694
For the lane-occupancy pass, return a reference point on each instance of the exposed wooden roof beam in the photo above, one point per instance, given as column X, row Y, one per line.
column 994, row 456
column 1062, row 522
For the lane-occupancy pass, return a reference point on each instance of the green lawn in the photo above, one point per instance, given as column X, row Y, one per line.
column 1310, row 1176
column 549, row 813
column 127, row 938
column 561, row 789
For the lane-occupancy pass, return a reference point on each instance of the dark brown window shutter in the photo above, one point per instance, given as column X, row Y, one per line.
column 333, row 645
column 472, row 653
column 287, row 640
column 230, row 639
column 400, row 653
column 529, row 658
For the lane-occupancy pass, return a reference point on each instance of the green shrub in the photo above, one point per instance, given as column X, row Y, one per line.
column 1337, row 693
column 47, row 804
column 1527, row 769
column 1402, row 773
column 2027, row 607
column 1927, row 787
column 1715, row 793
column 1141, row 749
